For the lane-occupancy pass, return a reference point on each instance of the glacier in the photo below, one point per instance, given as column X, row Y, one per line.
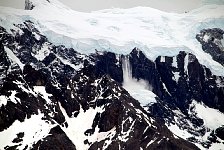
column 119, row 30
column 155, row 33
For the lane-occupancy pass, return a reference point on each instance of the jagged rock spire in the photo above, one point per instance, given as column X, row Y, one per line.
column 28, row 5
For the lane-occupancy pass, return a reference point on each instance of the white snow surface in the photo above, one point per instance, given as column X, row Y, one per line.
column 41, row 90
column 212, row 117
column 216, row 146
column 34, row 130
column 212, row 120
column 144, row 96
column 120, row 30
column 179, row 132
column 78, row 125
column 4, row 99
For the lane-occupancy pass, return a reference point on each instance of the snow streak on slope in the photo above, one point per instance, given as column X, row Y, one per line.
column 34, row 129
column 139, row 90
column 78, row 125
column 41, row 90
column 212, row 117
column 13, row 58
column 120, row 30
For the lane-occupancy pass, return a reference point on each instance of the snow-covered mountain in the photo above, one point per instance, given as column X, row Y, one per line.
column 134, row 78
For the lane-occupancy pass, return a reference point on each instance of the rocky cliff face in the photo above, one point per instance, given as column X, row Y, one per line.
column 81, row 104
column 212, row 43
column 61, row 92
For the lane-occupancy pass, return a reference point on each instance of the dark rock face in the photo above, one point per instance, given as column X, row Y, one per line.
column 185, row 81
column 34, row 77
column 4, row 63
column 143, row 68
column 78, row 83
column 177, row 81
column 178, row 84
column 109, row 63
column 210, row 40
column 220, row 132
column 28, row 5
column 133, row 127
column 56, row 139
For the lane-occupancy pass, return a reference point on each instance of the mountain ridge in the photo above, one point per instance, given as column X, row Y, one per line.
column 164, row 33
column 60, row 86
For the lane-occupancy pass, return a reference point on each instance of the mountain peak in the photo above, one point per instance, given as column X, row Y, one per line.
column 30, row 4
